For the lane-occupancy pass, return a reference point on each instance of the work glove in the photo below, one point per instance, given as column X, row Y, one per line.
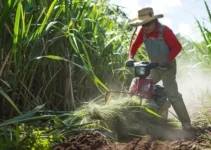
column 164, row 64
column 129, row 62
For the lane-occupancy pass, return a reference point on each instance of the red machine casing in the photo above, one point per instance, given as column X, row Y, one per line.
column 142, row 86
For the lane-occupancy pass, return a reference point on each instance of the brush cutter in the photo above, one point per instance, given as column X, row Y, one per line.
column 144, row 87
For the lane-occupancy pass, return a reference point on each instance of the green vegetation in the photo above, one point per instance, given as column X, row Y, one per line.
column 59, row 52
column 40, row 129
column 199, row 54
column 55, row 55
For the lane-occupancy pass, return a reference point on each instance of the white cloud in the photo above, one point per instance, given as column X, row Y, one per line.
column 159, row 6
column 131, row 8
column 188, row 31
column 163, row 6
column 167, row 22
column 184, row 29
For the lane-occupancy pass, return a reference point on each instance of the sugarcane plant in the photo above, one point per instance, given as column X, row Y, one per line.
column 49, row 51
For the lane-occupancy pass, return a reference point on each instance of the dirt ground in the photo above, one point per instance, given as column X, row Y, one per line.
column 94, row 140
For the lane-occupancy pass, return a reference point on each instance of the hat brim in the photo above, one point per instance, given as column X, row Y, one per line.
column 137, row 22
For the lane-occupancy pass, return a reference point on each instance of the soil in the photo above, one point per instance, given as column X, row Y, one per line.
column 90, row 140
column 94, row 140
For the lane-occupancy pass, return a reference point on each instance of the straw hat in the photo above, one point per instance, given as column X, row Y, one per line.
column 145, row 15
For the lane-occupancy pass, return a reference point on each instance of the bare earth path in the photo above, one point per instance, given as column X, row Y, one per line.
column 93, row 140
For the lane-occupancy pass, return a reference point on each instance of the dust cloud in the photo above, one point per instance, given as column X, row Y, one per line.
column 194, row 85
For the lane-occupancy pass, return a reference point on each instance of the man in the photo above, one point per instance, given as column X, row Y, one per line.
column 162, row 47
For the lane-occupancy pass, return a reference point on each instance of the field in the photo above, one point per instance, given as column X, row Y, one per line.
column 59, row 58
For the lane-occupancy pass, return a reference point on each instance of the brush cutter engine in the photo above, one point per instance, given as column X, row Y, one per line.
column 144, row 86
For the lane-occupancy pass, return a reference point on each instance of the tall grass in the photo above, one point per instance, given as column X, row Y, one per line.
column 119, row 116
column 204, row 49
column 59, row 52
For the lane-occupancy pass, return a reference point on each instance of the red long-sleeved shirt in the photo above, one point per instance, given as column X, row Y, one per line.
column 168, row 36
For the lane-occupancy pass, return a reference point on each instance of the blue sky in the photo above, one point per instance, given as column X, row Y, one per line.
column 179, row 15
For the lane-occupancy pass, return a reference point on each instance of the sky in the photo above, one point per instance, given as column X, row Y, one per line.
column 179, row 15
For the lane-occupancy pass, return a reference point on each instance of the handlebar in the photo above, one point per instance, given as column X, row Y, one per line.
column 151, row 65
column 142, row 69
column 155, row 65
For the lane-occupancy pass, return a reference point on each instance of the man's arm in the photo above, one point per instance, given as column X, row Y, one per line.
column 136, row 44
column 172, row 42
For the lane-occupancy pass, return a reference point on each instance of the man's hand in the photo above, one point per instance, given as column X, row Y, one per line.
column 164, row 64
column 129, row 62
